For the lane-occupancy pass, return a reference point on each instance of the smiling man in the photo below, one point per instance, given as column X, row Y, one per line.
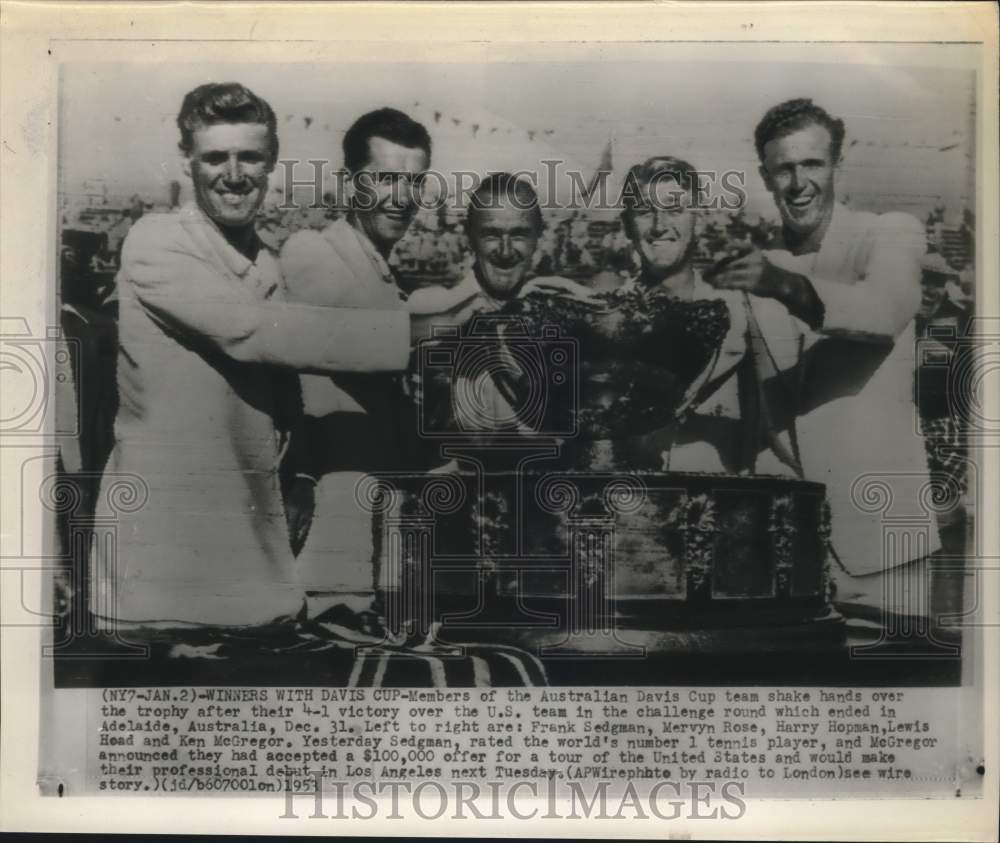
column 854, row 278
column 718, row 435
column 503, row 225
column 207, row 362
column 350, row 420
column 353, row 423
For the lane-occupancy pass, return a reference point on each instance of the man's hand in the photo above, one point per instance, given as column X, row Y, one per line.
column 557, row 285
column 300, row 503
column 748, row 272
column 755, row 274
column 422, row 325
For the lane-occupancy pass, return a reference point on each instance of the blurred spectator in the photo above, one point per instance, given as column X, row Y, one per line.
column 116, row 234
column 943, row 317
column 936, row 275
column 137, row 208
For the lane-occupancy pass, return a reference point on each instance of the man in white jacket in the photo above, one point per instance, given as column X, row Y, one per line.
column 854, row 278
column 209, row 351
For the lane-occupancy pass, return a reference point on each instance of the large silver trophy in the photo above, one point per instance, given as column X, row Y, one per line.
column 556, row 530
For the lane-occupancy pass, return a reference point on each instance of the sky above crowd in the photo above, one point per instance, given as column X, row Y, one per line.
column 909, row 127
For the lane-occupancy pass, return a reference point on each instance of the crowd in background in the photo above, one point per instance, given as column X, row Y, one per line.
column 575, row 244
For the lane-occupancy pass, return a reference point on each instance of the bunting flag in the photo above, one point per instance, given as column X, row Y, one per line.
column 456, row 121
column 307, row 121
column 437, row 116
column 853, row 143
column 475, row 129
column 492, row 129
column 531, row 134
column 605, row 168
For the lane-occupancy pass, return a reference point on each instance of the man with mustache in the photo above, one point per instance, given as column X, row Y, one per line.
column 854, row 278
column 207, row 363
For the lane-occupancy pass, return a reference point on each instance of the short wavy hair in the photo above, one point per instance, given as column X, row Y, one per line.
column 224, row 102
column 661, row 167
column 388, row 123
column 793, row 115
column 652, row 170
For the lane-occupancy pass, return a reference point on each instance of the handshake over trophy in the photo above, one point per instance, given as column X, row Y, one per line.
column 568, row 364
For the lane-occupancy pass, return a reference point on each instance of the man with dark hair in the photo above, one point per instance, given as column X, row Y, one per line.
column 854, row 278
column 388, row 124
column 357, row 422
column 207, row 362
column 792, row 116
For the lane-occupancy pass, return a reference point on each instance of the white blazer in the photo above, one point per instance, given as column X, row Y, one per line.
column 208, row 352
column 865, row 446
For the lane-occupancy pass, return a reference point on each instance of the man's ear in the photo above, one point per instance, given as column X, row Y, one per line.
column 762, row 170
column 837, row 176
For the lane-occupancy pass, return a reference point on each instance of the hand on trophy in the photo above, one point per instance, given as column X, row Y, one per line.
column 753, row 273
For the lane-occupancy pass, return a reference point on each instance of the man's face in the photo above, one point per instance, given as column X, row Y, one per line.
column 503, row 241
column 385, row 204
column 662, row 227
column 229, row 164
column 798, row 169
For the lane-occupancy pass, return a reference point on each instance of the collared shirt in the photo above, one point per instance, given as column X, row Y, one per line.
column 380, row 263
column 866, row 272
column 340, row 267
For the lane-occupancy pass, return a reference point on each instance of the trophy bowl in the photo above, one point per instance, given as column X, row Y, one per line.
column 639, row 358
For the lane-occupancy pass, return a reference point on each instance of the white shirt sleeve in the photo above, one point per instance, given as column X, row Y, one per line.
column 885, row 301
column 186, row 293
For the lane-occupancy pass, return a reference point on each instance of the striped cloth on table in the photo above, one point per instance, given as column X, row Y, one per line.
column 357, row 658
